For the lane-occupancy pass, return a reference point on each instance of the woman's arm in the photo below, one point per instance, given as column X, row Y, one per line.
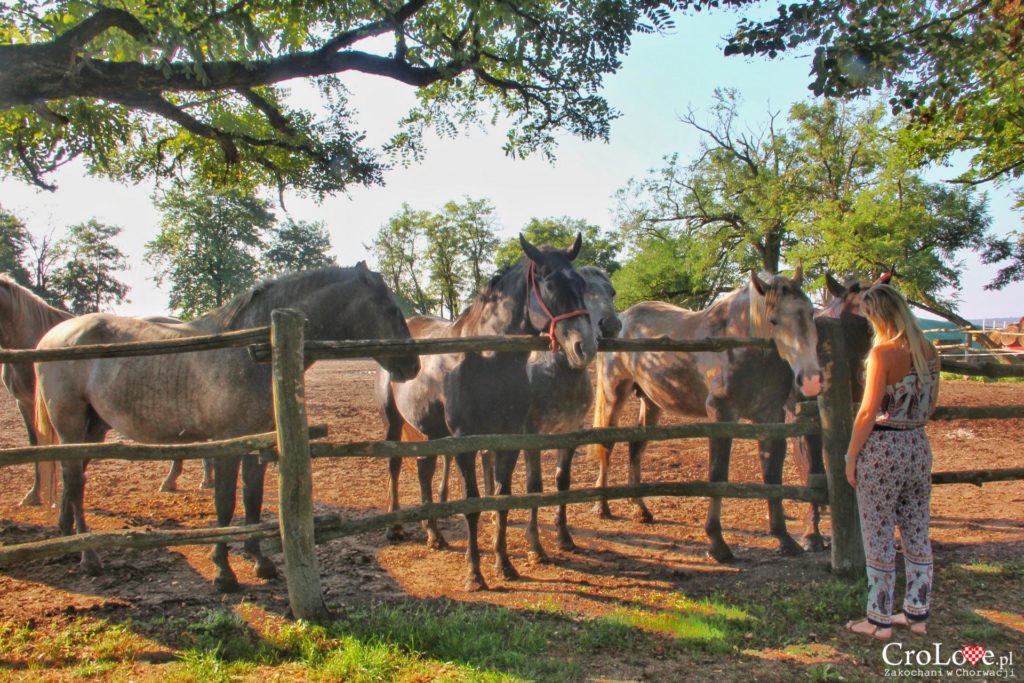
column 874, row 389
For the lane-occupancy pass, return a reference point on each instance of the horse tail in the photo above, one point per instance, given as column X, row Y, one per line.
column 46, row 435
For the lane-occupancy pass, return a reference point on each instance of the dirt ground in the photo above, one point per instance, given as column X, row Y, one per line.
column 617, row 559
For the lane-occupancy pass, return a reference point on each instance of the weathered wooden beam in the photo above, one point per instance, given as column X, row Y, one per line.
column 977, row 477
column 335, row 350
column 835, row 405
column 808, row 409
column 295, row 475
column 147, row 452
column 993, row 370
column 148, row 348
column 395, row 449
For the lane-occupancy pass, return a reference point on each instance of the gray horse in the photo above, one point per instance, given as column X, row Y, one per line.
column 201, row 395
column 560, row 396
column 489, row 393
column 747, row 383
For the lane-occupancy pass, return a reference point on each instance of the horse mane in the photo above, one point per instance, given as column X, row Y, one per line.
column 256, row 299
column 590, row 270
column 29, row 310
column 496, row 287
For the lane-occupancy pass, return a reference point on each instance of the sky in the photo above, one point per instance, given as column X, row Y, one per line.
column 662, row 77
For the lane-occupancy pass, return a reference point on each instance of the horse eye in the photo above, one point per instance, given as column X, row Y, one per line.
column 773, row 320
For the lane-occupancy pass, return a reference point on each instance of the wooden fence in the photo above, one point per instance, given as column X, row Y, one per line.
column 298, row 530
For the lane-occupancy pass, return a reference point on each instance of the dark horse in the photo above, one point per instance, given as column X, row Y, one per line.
column 844, row 306
column 202, row 395
column 747, row 383
column 487, row 392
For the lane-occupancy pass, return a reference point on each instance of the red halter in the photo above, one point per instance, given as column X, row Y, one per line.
column 531, row 286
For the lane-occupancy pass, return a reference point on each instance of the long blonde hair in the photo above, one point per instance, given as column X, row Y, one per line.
column 891, row 318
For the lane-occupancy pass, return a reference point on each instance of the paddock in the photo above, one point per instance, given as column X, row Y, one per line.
column 619, row 562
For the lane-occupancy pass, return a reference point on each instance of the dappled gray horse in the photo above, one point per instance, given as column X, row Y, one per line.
column 844, row 306
column 196, row 396
column 746, row 383
column 487, row 392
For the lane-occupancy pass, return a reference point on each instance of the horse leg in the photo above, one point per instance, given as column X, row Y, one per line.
column 773, row 453
column 395, row 532
column 171, row 481
column 72, row 506
column 606, row 414
column 425, row 468
column 534, row 484
column 504, row 466
column 225, row 488
column 563, row 476
column 253, row 473
column 467, row 468
column 718, row 470
column 487, row 465
column 32, row 497
column 808, row 457
column 649, row 414
column 207, row 482
column 446, row 470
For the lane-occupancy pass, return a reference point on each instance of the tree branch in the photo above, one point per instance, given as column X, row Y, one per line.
column 375, row 28
column 278, row 120
column 105, row 19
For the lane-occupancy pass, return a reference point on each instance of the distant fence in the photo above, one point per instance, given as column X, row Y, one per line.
column 298, row 530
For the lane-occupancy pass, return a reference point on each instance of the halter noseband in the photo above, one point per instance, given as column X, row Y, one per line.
column 531, row 286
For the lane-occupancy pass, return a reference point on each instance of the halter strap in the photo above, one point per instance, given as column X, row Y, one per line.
column 531, row 286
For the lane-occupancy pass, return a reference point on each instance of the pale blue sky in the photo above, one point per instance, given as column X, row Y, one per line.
column 662, row 76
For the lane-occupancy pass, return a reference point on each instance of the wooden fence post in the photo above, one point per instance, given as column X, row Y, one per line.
column 835, row 406
column 294, row 468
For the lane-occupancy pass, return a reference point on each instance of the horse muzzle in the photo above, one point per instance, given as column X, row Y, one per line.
column 809, row 384
column 401, row 369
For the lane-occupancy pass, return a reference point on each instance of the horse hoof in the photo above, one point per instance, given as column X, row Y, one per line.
column 721, row 554
column 395, row 534
column 813, row 543
column 168, row 487
column 602, row 510
column 226, row 584
column 565, row 542
column 31, row 499
column 790, row 548
column 437, row 542
column 506, row 571
column 91, row 564
column 266, row 569
column 537, row 557
column 475, row 583
column 206, row 485
column 643, row 516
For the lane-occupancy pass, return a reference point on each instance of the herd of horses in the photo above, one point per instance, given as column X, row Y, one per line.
column 220, row 394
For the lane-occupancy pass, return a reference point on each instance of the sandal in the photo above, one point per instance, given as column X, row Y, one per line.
column 917, row 627
column 866, row 628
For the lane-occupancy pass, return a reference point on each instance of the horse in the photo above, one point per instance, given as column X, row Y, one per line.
column 201, row 395
column 844, row 306
column 748, row 383
column 560, row 397
column 488, row 392
column 24, row 319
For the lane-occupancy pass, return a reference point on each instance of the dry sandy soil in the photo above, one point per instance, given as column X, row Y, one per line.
column 617, row 560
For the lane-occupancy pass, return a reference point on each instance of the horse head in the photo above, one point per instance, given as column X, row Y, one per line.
column 784, row 314
column 381, row 317
column 599, row 298
column 555, row 300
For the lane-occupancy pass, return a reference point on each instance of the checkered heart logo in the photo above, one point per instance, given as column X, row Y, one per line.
column 973, row 653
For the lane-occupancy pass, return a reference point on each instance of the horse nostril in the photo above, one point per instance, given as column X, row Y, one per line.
column 578, row 349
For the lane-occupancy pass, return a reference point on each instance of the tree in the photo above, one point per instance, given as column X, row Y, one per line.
column 177, row 88
column 597, row 250
column 833, row 189
column 14, row 241
column 397, row 249
column 208, row 246
column 474, row 224
column 86, row 279
column 447, row 269
column 47, row 252
column 298, row 245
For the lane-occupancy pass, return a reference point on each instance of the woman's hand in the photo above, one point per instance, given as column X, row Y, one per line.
column 851, row 471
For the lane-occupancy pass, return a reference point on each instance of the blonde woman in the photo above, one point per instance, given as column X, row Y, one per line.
column 889, row 462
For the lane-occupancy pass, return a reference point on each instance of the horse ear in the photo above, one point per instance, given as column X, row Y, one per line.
column 574, row 250
column 758, row 283
column 798, row 274
column 834, row 288
column 883, row 279
column 362, row 265
column 532, row 252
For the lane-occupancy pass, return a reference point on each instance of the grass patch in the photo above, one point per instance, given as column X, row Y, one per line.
column 794, row 613
column 1012, row 570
